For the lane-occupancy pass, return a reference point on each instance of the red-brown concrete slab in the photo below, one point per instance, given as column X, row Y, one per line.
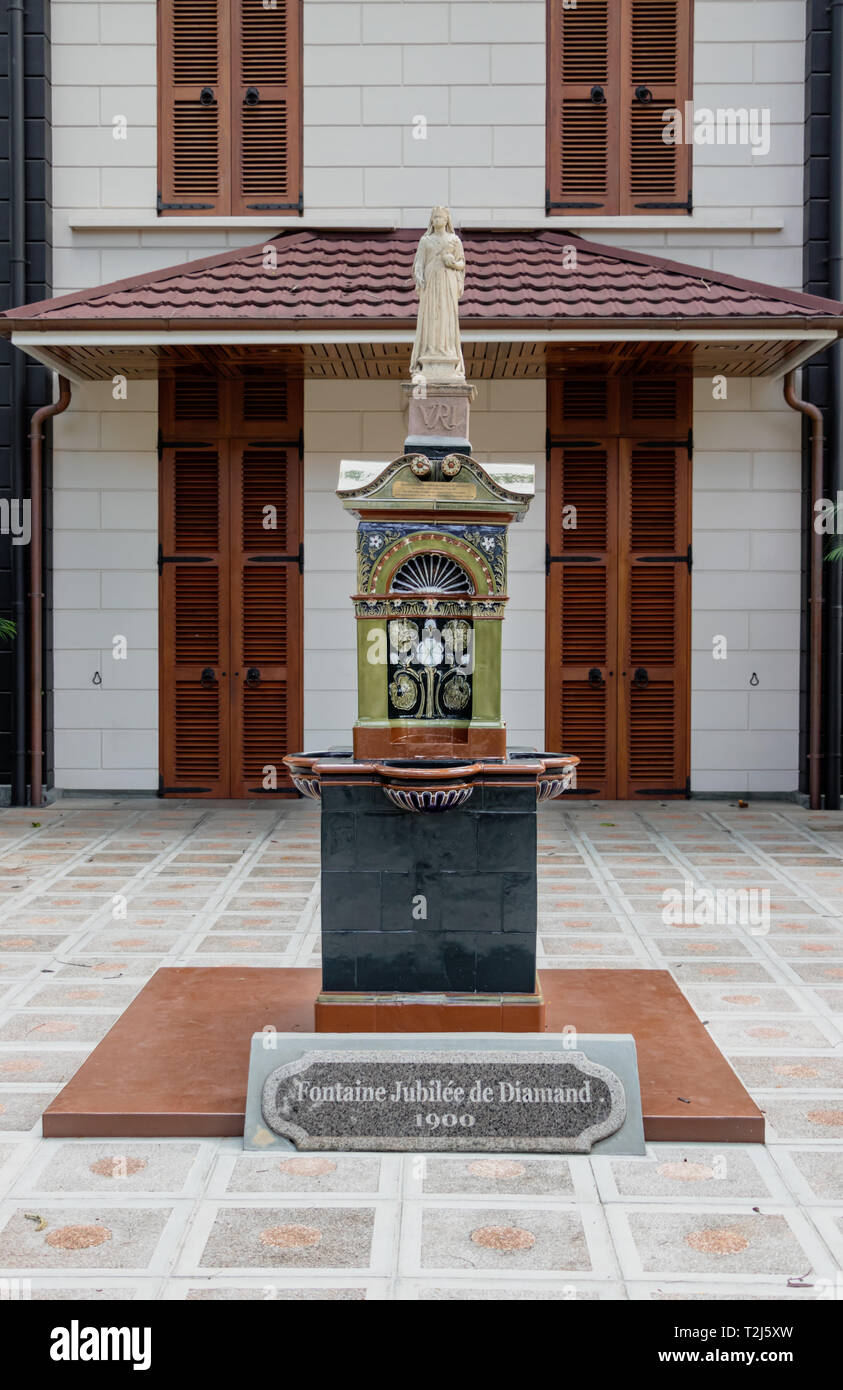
column 688, row 1089
column 176, row 1063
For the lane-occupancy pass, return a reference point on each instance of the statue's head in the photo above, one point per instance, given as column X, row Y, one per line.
column 440, row 220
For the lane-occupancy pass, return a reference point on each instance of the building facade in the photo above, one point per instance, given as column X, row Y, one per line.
column 189, row 134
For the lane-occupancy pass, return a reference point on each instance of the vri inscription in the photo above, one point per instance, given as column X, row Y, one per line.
column 541, row 1101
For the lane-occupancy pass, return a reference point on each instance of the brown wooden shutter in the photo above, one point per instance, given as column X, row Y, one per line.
column 656, row 59
column 266, row 107
column 193, row 106
column 582, row 637
column 266, row 601
column 582, row 85
column 618, row 589
column 194, row 621
column 614, row 67
column 654, row 604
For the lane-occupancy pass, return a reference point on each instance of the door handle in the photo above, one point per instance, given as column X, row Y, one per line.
column 252, row 96
column 643, row 94
column 208, row 677
column 598, row 96
column 253, row 676
column 206, row 96
column 595, row 676
column 640, row 677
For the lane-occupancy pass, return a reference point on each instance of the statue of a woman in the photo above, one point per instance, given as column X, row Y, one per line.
column 439, row 273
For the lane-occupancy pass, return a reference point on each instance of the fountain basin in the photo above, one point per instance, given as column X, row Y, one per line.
column 433, row 784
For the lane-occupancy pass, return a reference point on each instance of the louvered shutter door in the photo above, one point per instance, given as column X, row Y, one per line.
column 581, row 605
column 194, row 621
column 654, row 599
column 193, row 106
column 583, row 111
column 266, row 604
column 656, row 57
column 266, row 100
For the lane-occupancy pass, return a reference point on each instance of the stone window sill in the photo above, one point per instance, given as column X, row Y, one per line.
column 141, row 221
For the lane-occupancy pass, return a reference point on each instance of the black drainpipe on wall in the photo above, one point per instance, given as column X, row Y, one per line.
column 17, row 272
column 834, row 577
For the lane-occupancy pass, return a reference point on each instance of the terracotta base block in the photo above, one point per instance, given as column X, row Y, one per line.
column 430, row 1013
column 176, row 1063
column 404, row 741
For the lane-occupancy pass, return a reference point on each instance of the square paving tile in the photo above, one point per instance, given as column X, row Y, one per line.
column 498, row 1176
column 699, row 1172
column 299, row 1237
column 115, row 1167
column 299, row 1173
column 728, row 1244
column 505, row 1238
column 83, row 1237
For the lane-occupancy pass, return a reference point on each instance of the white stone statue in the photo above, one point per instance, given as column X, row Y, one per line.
column 439, row 273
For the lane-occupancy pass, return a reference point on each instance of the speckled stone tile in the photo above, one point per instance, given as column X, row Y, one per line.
column 113, row 1167
column 498, row 1176
column 820, row 1171
column 270, row 1293
column 714, row 972
column 83, row 1293
column 93, row 993
column 814, row 1117
column 77, row 1237
column 289, row 1237
column 736, row 1243
column 733, row 1035
column 674, row 1172
column 741, row 999
column 57, row 1027
column 503, row 1238
column 304, row 1173
column 805, row 1072
column 20, row 1109
column 39, row 1065
column 130, row 940
column 113, row 965
column 699, row 1292
column 537, row 1292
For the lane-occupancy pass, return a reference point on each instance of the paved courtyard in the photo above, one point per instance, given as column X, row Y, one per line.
column 96, row 894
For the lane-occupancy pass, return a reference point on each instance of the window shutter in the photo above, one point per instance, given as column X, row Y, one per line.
column 193, row 107
column 582, row 107
column 266, row 103
column 266, row 604
column 581, row 609
column 654, row 600
column 194, row 642
column 656, row 57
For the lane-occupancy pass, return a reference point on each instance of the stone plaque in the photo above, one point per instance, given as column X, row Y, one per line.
column 457, row 1096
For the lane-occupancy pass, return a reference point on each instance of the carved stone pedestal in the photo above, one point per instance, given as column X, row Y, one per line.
column 438, row 416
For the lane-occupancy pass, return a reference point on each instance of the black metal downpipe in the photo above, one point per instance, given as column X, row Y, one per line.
column 17, row 275
column 834, row 576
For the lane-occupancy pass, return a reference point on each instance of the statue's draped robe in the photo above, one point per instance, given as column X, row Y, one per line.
column 438, row 327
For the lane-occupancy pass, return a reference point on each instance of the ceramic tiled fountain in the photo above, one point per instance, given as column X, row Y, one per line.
column 429, row 821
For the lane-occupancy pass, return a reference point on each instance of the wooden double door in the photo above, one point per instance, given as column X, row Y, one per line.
column 618, row 583
column 230, row 589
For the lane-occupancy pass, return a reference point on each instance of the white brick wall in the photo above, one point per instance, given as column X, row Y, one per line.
column 746, row 588
column 105, row 471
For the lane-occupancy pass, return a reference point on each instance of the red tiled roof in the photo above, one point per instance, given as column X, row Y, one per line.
column 334, row 277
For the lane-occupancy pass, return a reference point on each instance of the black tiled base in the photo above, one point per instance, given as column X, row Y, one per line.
column 423, row 902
